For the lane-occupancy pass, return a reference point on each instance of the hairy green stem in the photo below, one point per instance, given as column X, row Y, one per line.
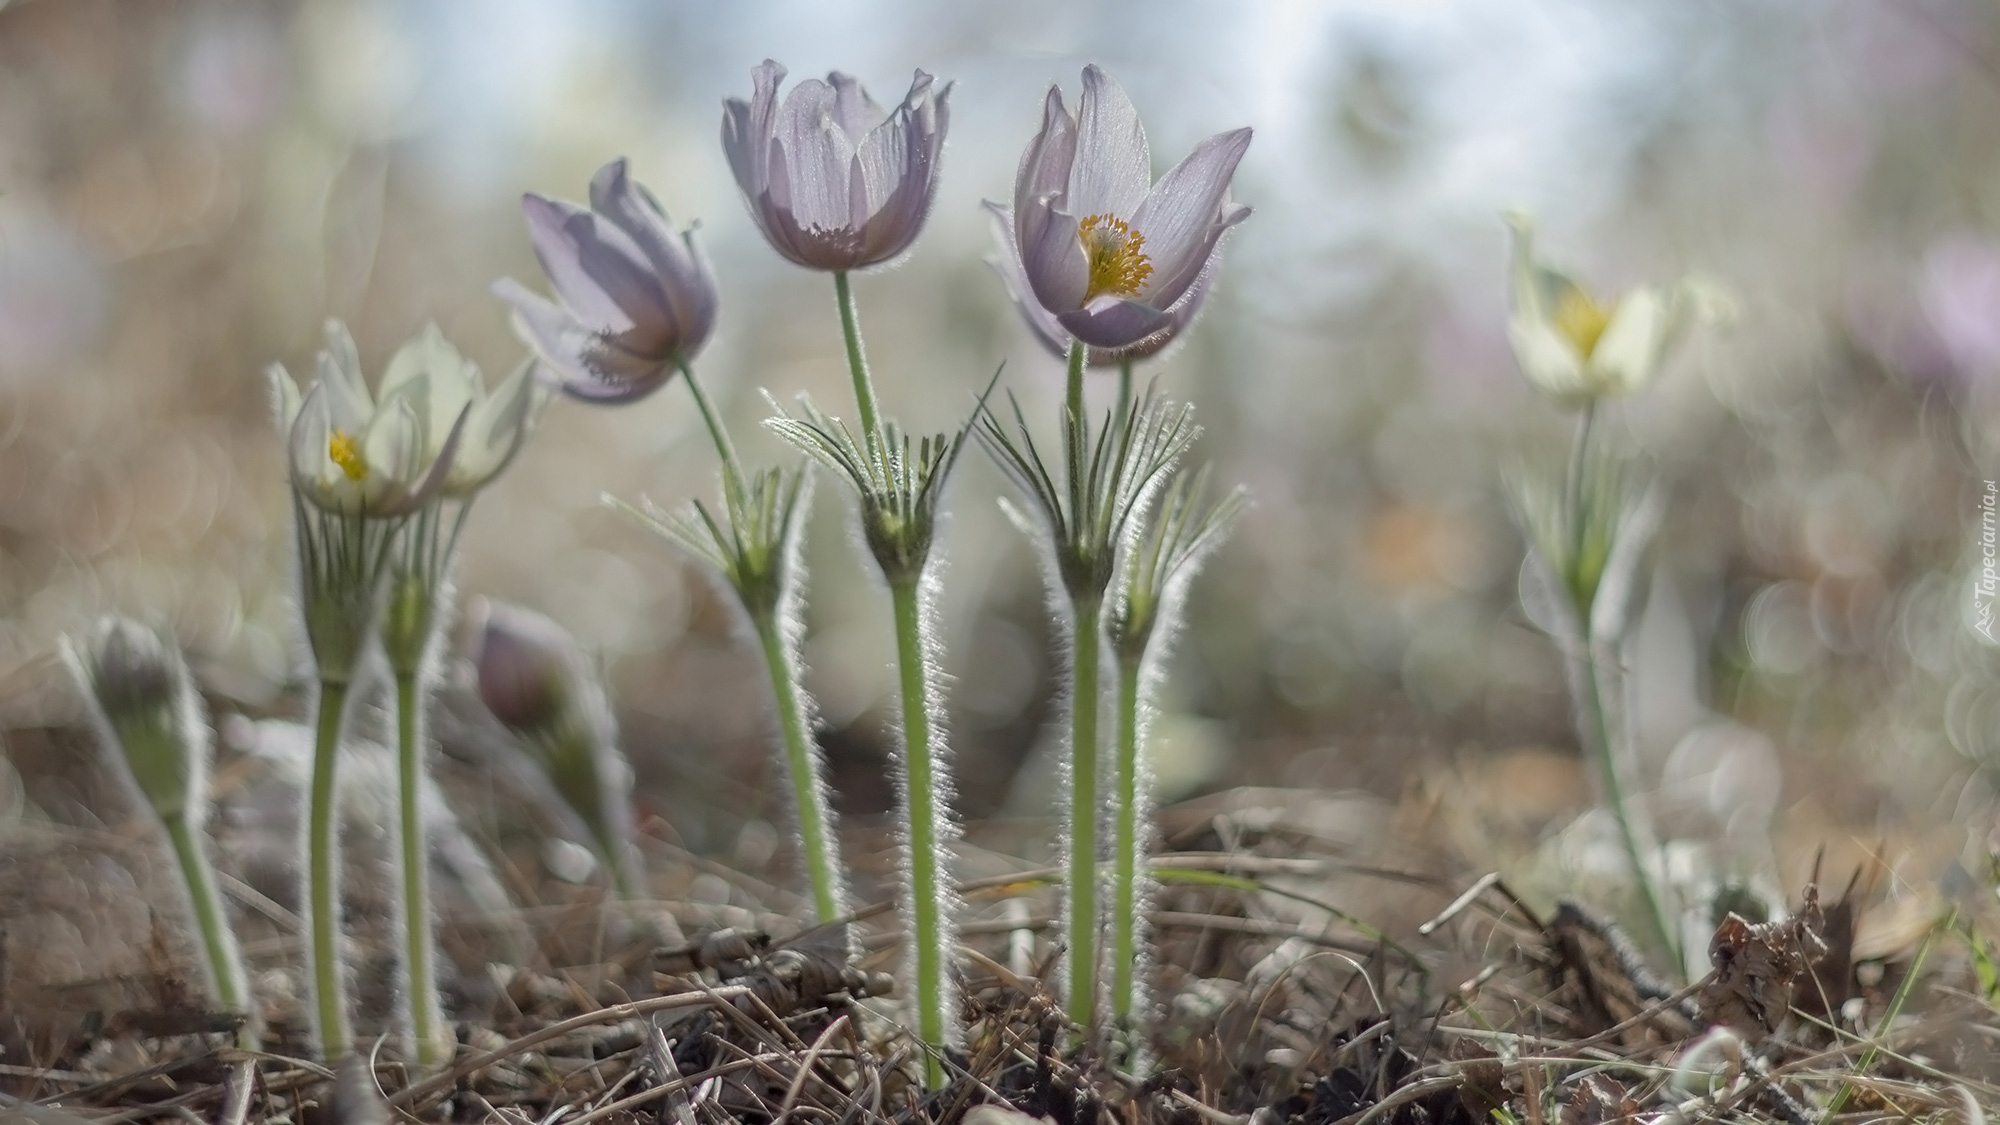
column 822, row 859
column 857, row 362
column 1125, row 898
column 322, row 878
column 419, row 950
column 230, row 987
column 925, row 856
column 1083, row 814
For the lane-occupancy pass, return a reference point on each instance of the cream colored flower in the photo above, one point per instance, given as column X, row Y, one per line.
column 1576, row 347
column 351, row 454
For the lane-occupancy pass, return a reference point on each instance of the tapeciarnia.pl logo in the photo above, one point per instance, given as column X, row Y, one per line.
column 1987, row 586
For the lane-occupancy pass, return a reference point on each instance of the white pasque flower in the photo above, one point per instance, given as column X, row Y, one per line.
column 442, row 386
column 351, row 454
column 1576, row 348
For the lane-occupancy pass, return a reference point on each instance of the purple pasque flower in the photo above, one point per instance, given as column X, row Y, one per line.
column 634, row 298
column 1050, row 331
column 834, row 181
column 1105, row 251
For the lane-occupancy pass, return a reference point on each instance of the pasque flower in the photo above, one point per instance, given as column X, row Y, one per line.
column 635, row 299
column 1050, row 331
column 834, row 181
column 1575, row 347
column 1110, row 255
column 351, row 453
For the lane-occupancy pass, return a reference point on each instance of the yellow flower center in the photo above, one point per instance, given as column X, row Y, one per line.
column 1117, row 266
column 1581, row 320
column 344, row 449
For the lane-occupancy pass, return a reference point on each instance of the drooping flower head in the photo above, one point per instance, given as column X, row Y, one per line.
column 1575, row 347
column 635, row 299
column 351, row 453
column 834, row 181
column 144, row 703
column 1109, row 255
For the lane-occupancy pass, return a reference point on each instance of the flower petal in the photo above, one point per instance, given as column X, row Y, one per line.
column 339, row 368
column 285, row 398
column 581, row 363
column 1186, row 213
column 1114, row 164
column 407, row 498
column 818, row 157
column 394, row 446
column 899, row 169
column 496, row 427
column 1045, row 166
column 854, row 111
column 1007, row 263
column 740, row 145
column 1629, row 352
column 1114, row 324
column 306, row 445
column 597, row 270
column 1547, row 358
column 633, row 210
column 747, row 128
column 702, row 300
column 1180, row 316
column 436, row 378
column 1052, row 257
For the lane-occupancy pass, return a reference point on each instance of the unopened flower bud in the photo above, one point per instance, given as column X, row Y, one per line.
column 536, row 680
column 526, row 665
column 143, row 700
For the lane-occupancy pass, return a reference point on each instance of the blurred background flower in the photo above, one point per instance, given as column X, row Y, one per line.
column 187, row 191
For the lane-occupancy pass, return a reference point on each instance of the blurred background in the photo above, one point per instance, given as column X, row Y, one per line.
column 189, row 188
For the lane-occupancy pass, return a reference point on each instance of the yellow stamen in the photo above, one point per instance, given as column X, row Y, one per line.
column 1581, row 320
column 345, row 450
column 1117, row 267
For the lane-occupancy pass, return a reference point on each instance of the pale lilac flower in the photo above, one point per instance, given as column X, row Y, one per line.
column 634, row 299
column 1050, row 332
column 1107, row 253
column 351, row 454
column 833, row 180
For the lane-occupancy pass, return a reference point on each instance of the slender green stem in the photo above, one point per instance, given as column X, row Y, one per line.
column 1579, row 454
column 921, row 814
column 857, row 362
column 229, row 984
column 1077, row 427
column 822, row 860
column 426, row 1021
column 1083, row 815
column 322, row 878
column 723, row 448
column 1125, row 898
